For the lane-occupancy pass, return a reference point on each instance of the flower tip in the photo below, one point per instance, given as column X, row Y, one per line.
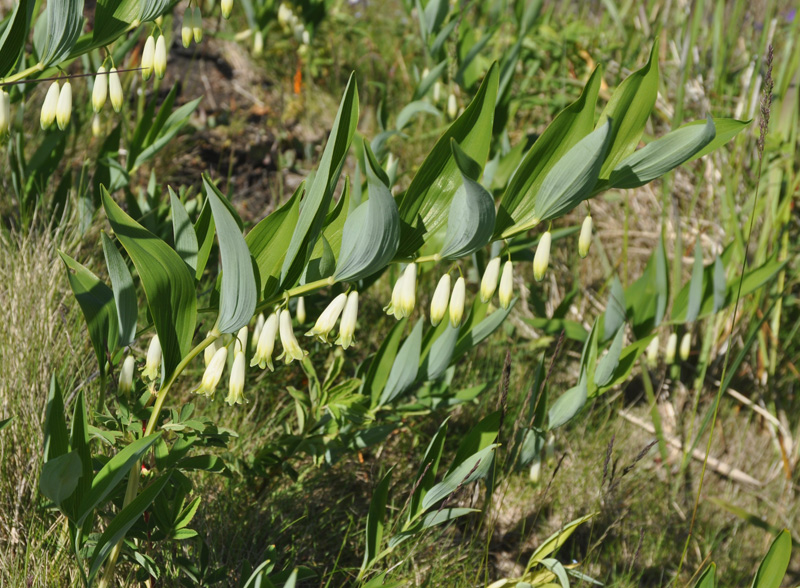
column 585, row 239
column 542, row 257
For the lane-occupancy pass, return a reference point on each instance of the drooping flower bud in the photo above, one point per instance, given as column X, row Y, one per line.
column 197, row 24
column 208, row 353
column 236, row 382
column 241, row 338
column 260, row 320
column 489, row 280
column 148, row 57
column 258, row 43
column 393, row 308
column 672, row 344
column 226, row 7
column 213, row 373
column 441, row 296
column 327, row 320
column 291, row 348
column 126, row 376
column 457, row 300
column 100, row 90
column 160, row 57
column 686, row 346
column 300, row 310
column 306, row 37
column 452, row 106
column 152, row 364
column 506, row 292
column 652, row 352
column 49, row 106
column 97, row 127
column 437, row 92
column 266, row 343
column 542, row 257
column 585, row 240
column 186, row 28
column 5, row 112
column 64, row 108
column 284, row 14
column 424, row 74
column 115, row 90
column 347, row 328
column 408, row 293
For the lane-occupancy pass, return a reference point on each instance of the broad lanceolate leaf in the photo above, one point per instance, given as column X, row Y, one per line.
column 629, row 108
column 381, row 364
column 555, row 541
column 424, row 206
column 569, row 126
column 183, row 232
column 615, row 310
column 317, row 200
column 726, row 129
column 64, row 25
column 572, row 179
column 696, row 285
column 377, row 512
column 660, row 156
column 269, row 239
column 124, row 292
column 238, row 292
column 470, row 223
column 56, row 441
column 60, row 477
column 608, row 364
column 414, row 108
column 14, row 35
column 112, row 474
column 438, row 359
column 646, row 299
column 167, row 282
column 773, row 567
column 122, row 523
column 371, row 233
column 568, row 404
column 473, row 468
column 708, row 578
column 476, row 333
column 405, row 367
column 97, row 304
column 429, row 467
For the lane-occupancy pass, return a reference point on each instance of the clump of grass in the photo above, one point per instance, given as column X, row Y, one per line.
column 37, row 313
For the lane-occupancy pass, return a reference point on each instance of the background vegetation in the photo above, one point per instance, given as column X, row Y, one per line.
column 633, row 456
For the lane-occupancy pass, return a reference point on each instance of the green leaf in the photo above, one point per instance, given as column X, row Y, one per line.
column 773, row 567
column 269, row 239
column 152, row 9
column 167, row 282
column 568, row 404
column 708, row 578
column 660, row 156
column 572, row 178
column 111, row 18
column 720, row 285
column 322, row 263
column 56, row 442
column 470, row 223
column 377, row 511
column 726, row 129
column 629, row 108
column 14, row 35
column 429, row 520
column 438, row 359
column 482, row 435
column 414, row 108
column 475, row 334
column 79, row 441
column 122, row 523
column 555, row 541
column 610, row 361
column 646, row 299
column 183, row 232
column 405, row 367
column 238, row 292
column 317, row 200
column 124, row 292
column 381, row 365
column 696, row 285
column 97, row 304
column 424, row 206
column 371, row 233
column 205, row 230
column 5, row 422
column 60, row 477
column 429, row 467
column 615, row 310
column 473, row 468
column 112, row 473
column 568, row 127
column 426, row 83
column 64, row 25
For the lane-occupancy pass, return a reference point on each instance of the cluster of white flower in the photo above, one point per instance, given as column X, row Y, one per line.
column 672, row 347
column 292, row 23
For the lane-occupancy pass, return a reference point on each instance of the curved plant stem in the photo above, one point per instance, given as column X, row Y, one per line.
column 133, row 478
